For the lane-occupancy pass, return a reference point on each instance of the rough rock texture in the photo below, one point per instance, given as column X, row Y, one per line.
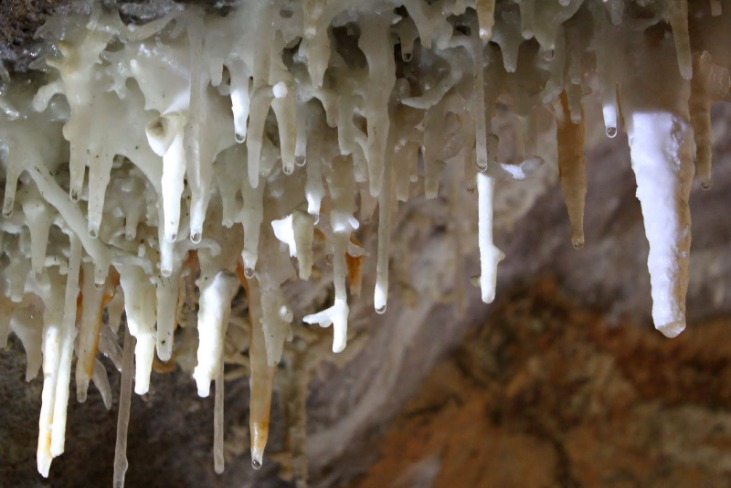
column 546, row 394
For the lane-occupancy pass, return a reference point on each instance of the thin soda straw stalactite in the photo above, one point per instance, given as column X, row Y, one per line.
column 125, row 406
column 261, row 378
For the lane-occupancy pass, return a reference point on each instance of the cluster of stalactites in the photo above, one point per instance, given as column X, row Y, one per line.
column 201, row 152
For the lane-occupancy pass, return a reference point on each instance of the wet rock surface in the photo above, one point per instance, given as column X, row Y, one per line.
column 545, row 393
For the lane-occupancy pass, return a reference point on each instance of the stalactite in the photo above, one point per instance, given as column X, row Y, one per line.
column 571, row 168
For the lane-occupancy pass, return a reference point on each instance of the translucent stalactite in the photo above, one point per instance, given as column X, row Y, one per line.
column 58, row 342
column 700, row 114
column 607, row 69
column 679, row 23
column 218, row 426
column 93, row 300
column 481, row 109
column 485, row 16
column 385, row 216
column 167, row 295
column 261, row 96
column 261, row 377
column 571, row 167
column 376, row 46
column 125, row 406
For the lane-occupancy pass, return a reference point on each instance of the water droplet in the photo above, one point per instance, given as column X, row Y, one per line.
column 300, row 160
column 531, row 164
column 280, row 90
column 577, row 242
column 248, row 273
column 166, row 272
column 288, row 170
column 239, row 137
column 611, row 132
column 100, row 276
column 93, row 231
column 705, row 185
column 481, row 166
column 406, row 57
column 285, row 313
column 8, row 207
column 381, row 310
column 195, row 236
column 256, row 464
column 671, row 329
column 74, row 195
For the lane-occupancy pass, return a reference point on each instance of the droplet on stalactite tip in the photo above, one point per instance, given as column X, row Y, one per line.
column 381, row 310
column 611, row 132
column 256, row 464
column 280, row 90
column 672, row 330
column 548, row 54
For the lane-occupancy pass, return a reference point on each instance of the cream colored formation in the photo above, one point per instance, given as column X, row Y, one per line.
column 170, row 162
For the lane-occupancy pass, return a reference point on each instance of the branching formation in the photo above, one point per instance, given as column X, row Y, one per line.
column 169, row 163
